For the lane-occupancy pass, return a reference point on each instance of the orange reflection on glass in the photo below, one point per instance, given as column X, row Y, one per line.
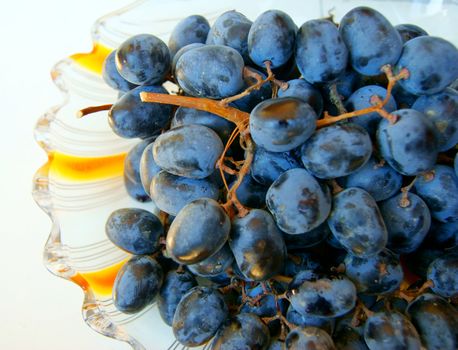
column 93, row 60
column 85, row 168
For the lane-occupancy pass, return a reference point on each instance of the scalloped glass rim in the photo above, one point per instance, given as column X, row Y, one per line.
column 82, row 181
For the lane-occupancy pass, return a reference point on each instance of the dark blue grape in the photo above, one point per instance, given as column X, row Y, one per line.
column 371, row 40
column 361, row 99
column 199, row 315
column 320, row 53
column 214, row 265
column 390, row 330
column 143, row 59
column 356, row 222
column 299, row 88
column 432, row 64
column 251, row 193
column 379, row 274
column 188, row 150
column 136, row 231
column 407, row 221
column 298, row 202
column 171, row 193
column 176, row 285
column 271, row 38
column 436, row 321
column 111, row 75
column 410, row 144
column 443, row 234
column 443, row 272
column 137, row 284
column 324, row 297
column 281, row 124
column 409, row 31
column 199, row 230
column 257, row 245
column 308, row 338
column 148, row 168
column 268, row 166
column 186, row 116
column 348, row 337
column 379, row 179
column 129, row 117
column 189, row 30
column 243, row 331
column 181, row 51
column 231, row 29
column 442, row 110
column 439, row 193
column 336, row 150
column 306, row 240
column 212, row 71
column 300, row 320
column 131, row 174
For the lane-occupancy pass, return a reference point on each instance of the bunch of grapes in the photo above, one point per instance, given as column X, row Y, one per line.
column 306, row 181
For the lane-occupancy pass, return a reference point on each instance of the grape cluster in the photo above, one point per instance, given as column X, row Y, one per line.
column 306, row 184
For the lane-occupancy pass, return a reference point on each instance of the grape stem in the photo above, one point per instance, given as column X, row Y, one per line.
column 93, row 109
column 336, row 99
column 405, row 202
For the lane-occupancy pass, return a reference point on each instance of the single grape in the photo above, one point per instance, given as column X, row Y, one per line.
column 186, row 116
column 129, row 117
column 143, row 59
column 268, row 166
column 190, row 30
column 281, row 124
column 214, row 265
column 171, row 193
column 212, row 71
column 131, row 172
column 298, row 202
column 188, row 150
column 148, row 168
column 322, row 296
column 379, row 274
column 357, row 224
column 379, row 179
column 407, row 221
column 257, row 245
column 176, row 285
column 439, row 193
column 271, row 38
column 198, row 316
column 362, row 98
column 137, row 284
column 409, row 31
column 410, row 144
column 305, row 91
column 336, row 150
column 243, row 331
column 112, row 77
column 436, row 321
column 136, row 231
column 443, row 272
column 199, row 230
column 320, row 52
column 231, row 29
column 391, row 330
column 442, row 110
column 308, row 338
column 180, row 52
column 432, row 64
column 371, row 40
column 300, row 320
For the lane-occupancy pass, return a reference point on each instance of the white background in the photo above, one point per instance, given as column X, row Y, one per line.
column 37, row 310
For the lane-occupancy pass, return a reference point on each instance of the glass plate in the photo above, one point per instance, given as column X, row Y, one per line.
column 82, row 183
